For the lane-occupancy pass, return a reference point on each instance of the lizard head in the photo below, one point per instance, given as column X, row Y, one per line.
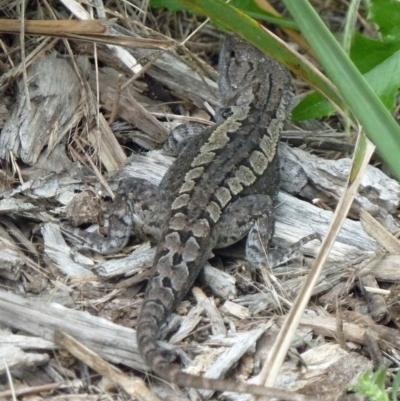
column 245, row 75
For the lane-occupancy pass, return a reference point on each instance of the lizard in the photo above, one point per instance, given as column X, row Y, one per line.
column 220, row 188
column 228, row 170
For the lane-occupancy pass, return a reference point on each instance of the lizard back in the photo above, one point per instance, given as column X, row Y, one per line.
column 236, row 157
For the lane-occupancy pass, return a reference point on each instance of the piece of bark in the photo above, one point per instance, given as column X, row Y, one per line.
column 44, row 118
column 12, row 357
column 137, row 261
column 379, row 232
column 26, row 342
column 217, row 322
column 326, row 179
column 376, row 302
column 114, row 343
column 60, row 254
column 386, row 268
column 221, row 283
column 84, row 209
column 132, row 106
column 106, row 145
column 9, row 205
column 168, row 69
column 232, row 309
column 27, row 199
column 57, row 102
column 230, row 357
column 352, row 331
column 188, row 324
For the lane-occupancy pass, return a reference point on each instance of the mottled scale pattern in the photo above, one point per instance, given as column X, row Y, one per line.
column 220, row 189
column 229, row 167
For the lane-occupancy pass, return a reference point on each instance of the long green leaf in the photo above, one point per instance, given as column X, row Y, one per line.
column 240, row 23
column 384, row 79
column 378, row 123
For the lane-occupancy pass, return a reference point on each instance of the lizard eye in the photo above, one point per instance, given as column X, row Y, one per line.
column 232, row 54
column 226, row 112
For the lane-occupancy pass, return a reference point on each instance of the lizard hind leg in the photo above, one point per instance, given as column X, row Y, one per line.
column 253, row 215
column 240, row 216
column 137, row 206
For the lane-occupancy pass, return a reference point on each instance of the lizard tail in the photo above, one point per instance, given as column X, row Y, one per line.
column 173, row 373
column 179, row 258
column 162, row 295
column 146, row 334
column 152, row 315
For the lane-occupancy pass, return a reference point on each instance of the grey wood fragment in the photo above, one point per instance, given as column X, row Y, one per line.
column 376, row 302
column 58, row 251
column 25, row 342
column 138, row 260
column 221, row 283
column 188, row 324
column 113, row 342
column 228, row 358
column 218, row 326
column 233, row 309
column 16, row 205
column 12, row 357
column 326, row 179
column 45, row 118
column 132, row 106
column 172, row 72
column 296, row 218
column 386, row 268
column 11, row 259
column 25, row 199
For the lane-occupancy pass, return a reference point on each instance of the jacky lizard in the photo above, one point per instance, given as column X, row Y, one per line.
column 222, row 183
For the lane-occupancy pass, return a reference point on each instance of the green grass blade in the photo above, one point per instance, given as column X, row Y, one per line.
column 378, row 123
column 240, row 23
